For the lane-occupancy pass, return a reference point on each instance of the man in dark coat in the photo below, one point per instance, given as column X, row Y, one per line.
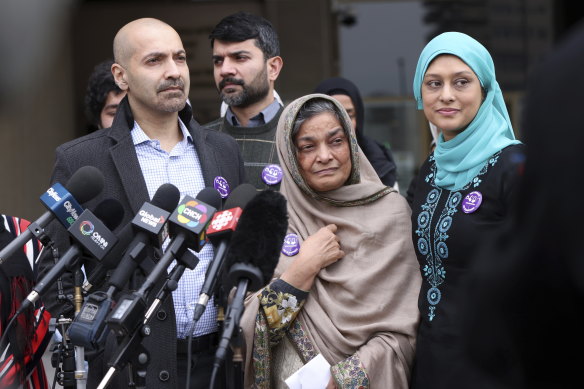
column 153, row 140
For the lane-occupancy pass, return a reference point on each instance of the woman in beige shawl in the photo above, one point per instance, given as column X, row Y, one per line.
column 350, row 292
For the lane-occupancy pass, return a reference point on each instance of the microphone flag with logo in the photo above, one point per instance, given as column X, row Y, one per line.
column 190, row 219
column 219, row 233
column 147, row 227
column 85, row 184
column 91, row 235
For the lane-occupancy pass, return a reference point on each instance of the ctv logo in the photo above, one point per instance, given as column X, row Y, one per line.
column 192, row 213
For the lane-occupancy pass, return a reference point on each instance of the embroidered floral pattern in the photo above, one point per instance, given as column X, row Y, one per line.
column 261, row 352
column 277, row 318
column 299, row 339
column 350, row 373
column 280, row 310
column 433, row 244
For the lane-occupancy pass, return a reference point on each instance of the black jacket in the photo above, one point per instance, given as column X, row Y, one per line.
column 112, row 151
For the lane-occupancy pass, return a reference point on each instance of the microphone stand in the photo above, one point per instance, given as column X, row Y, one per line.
column 238, row 369
column 235, row 341
column 80, row 372
column 130, row 348
column 63, row 358
column 246, row 276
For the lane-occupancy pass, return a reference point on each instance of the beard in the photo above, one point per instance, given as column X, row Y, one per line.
column 250, row 94
column 174, row 100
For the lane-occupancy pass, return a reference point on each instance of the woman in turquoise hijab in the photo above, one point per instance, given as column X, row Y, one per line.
column 463, row 191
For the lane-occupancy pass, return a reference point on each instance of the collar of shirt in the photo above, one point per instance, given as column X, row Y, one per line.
column 260, row 119
column 139, row 136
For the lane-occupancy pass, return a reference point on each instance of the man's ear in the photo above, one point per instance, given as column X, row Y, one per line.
column 274, row 67
column 119, row 74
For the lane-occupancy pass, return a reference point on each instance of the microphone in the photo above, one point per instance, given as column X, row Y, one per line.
column 187, row 229
column 219, row 233
column 211, row 197
column 253, row 256
column 190, row 220
column 90, row 234
column 149, row 226
column 187, row 226
column 85, row 184
column 110, row 261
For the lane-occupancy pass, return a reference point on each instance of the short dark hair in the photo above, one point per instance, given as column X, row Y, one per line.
column 242, row 26
column 100, row 83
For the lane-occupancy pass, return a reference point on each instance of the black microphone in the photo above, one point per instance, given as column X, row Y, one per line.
column 99, row 272
column 253, row 256
column 62, row 203
column 148, row 227
column 187, row 226
column 91, row 235
column 219, row 233
column 209, row 196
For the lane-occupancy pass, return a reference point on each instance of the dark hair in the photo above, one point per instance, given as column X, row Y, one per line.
column 242, row 26
column 313, row 108
column 100, row 83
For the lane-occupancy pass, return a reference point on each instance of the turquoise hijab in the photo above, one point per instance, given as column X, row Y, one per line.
column 460, row 159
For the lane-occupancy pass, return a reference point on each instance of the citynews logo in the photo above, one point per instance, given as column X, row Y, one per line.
column 221, row 220
column 71, row 211
column 150, row 219
column 53, row 194
column 87, row 229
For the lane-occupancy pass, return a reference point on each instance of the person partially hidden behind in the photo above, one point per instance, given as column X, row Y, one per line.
column 246, row 64
column 347, row 281
column 102, row 97
column 20, row 360
column 378, row 155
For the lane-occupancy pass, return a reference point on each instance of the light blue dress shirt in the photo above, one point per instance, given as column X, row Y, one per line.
column 182, row 168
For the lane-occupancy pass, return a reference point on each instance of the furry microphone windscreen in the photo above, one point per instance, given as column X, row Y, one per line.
column 259, row 235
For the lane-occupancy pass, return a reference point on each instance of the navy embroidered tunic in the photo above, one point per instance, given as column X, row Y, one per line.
column 446, row 239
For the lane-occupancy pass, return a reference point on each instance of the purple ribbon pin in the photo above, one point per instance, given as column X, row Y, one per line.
column 222, row 186
column 272, row 174
column 291, row 245
column 472, row 202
